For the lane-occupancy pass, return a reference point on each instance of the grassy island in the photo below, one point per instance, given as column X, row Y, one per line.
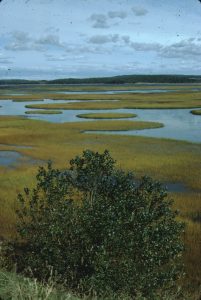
column 106, row 116
column 121, row 125
column 196, row 112
column 43, row 112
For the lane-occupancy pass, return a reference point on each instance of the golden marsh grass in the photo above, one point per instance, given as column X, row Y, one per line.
column 129, row 100
column 163, row 159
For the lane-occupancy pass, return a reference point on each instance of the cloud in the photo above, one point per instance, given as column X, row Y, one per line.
column 49, row 40
column 146, row 46
column 103, row 39
column 65, row 57
column 56, row 58
column 117, row 14
column 139, row 11
column 126, row 39
column 19, row 41
column 185, row 49
column 189, row 49
column 100, row 21
column 75, row 52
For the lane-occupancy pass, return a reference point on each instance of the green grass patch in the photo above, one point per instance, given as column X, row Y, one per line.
column 196, row 112
column 43, row 112
column 107, row 116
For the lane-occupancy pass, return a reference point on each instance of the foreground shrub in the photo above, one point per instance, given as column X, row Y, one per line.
column 98, row 229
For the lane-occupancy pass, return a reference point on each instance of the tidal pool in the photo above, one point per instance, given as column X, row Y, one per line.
column 176, row 187
column 9, row 158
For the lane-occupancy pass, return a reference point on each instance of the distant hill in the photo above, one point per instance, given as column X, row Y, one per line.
column 123, row 79
column 20, row 81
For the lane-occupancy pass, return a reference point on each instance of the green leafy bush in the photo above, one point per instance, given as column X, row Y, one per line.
column 99, row 229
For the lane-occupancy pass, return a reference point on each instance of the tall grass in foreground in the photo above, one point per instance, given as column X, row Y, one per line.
column 15, row 287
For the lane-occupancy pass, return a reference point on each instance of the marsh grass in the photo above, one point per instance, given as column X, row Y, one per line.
column 164, row 160
column 120, row 125
column 125, row 100
column 30, row 88
column 196, row 112
column 106, row 116
column 167, row 160
column 192, row 254
column 188, row 205
column 43, row 112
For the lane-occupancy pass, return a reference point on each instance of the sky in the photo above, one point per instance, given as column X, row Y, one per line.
column 46, row 39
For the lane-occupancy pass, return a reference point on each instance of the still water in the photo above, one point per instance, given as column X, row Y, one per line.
column 9, row 158
column 140, row 91
column 179, row 124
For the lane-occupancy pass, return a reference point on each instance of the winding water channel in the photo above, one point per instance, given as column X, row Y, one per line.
column 179, row 124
